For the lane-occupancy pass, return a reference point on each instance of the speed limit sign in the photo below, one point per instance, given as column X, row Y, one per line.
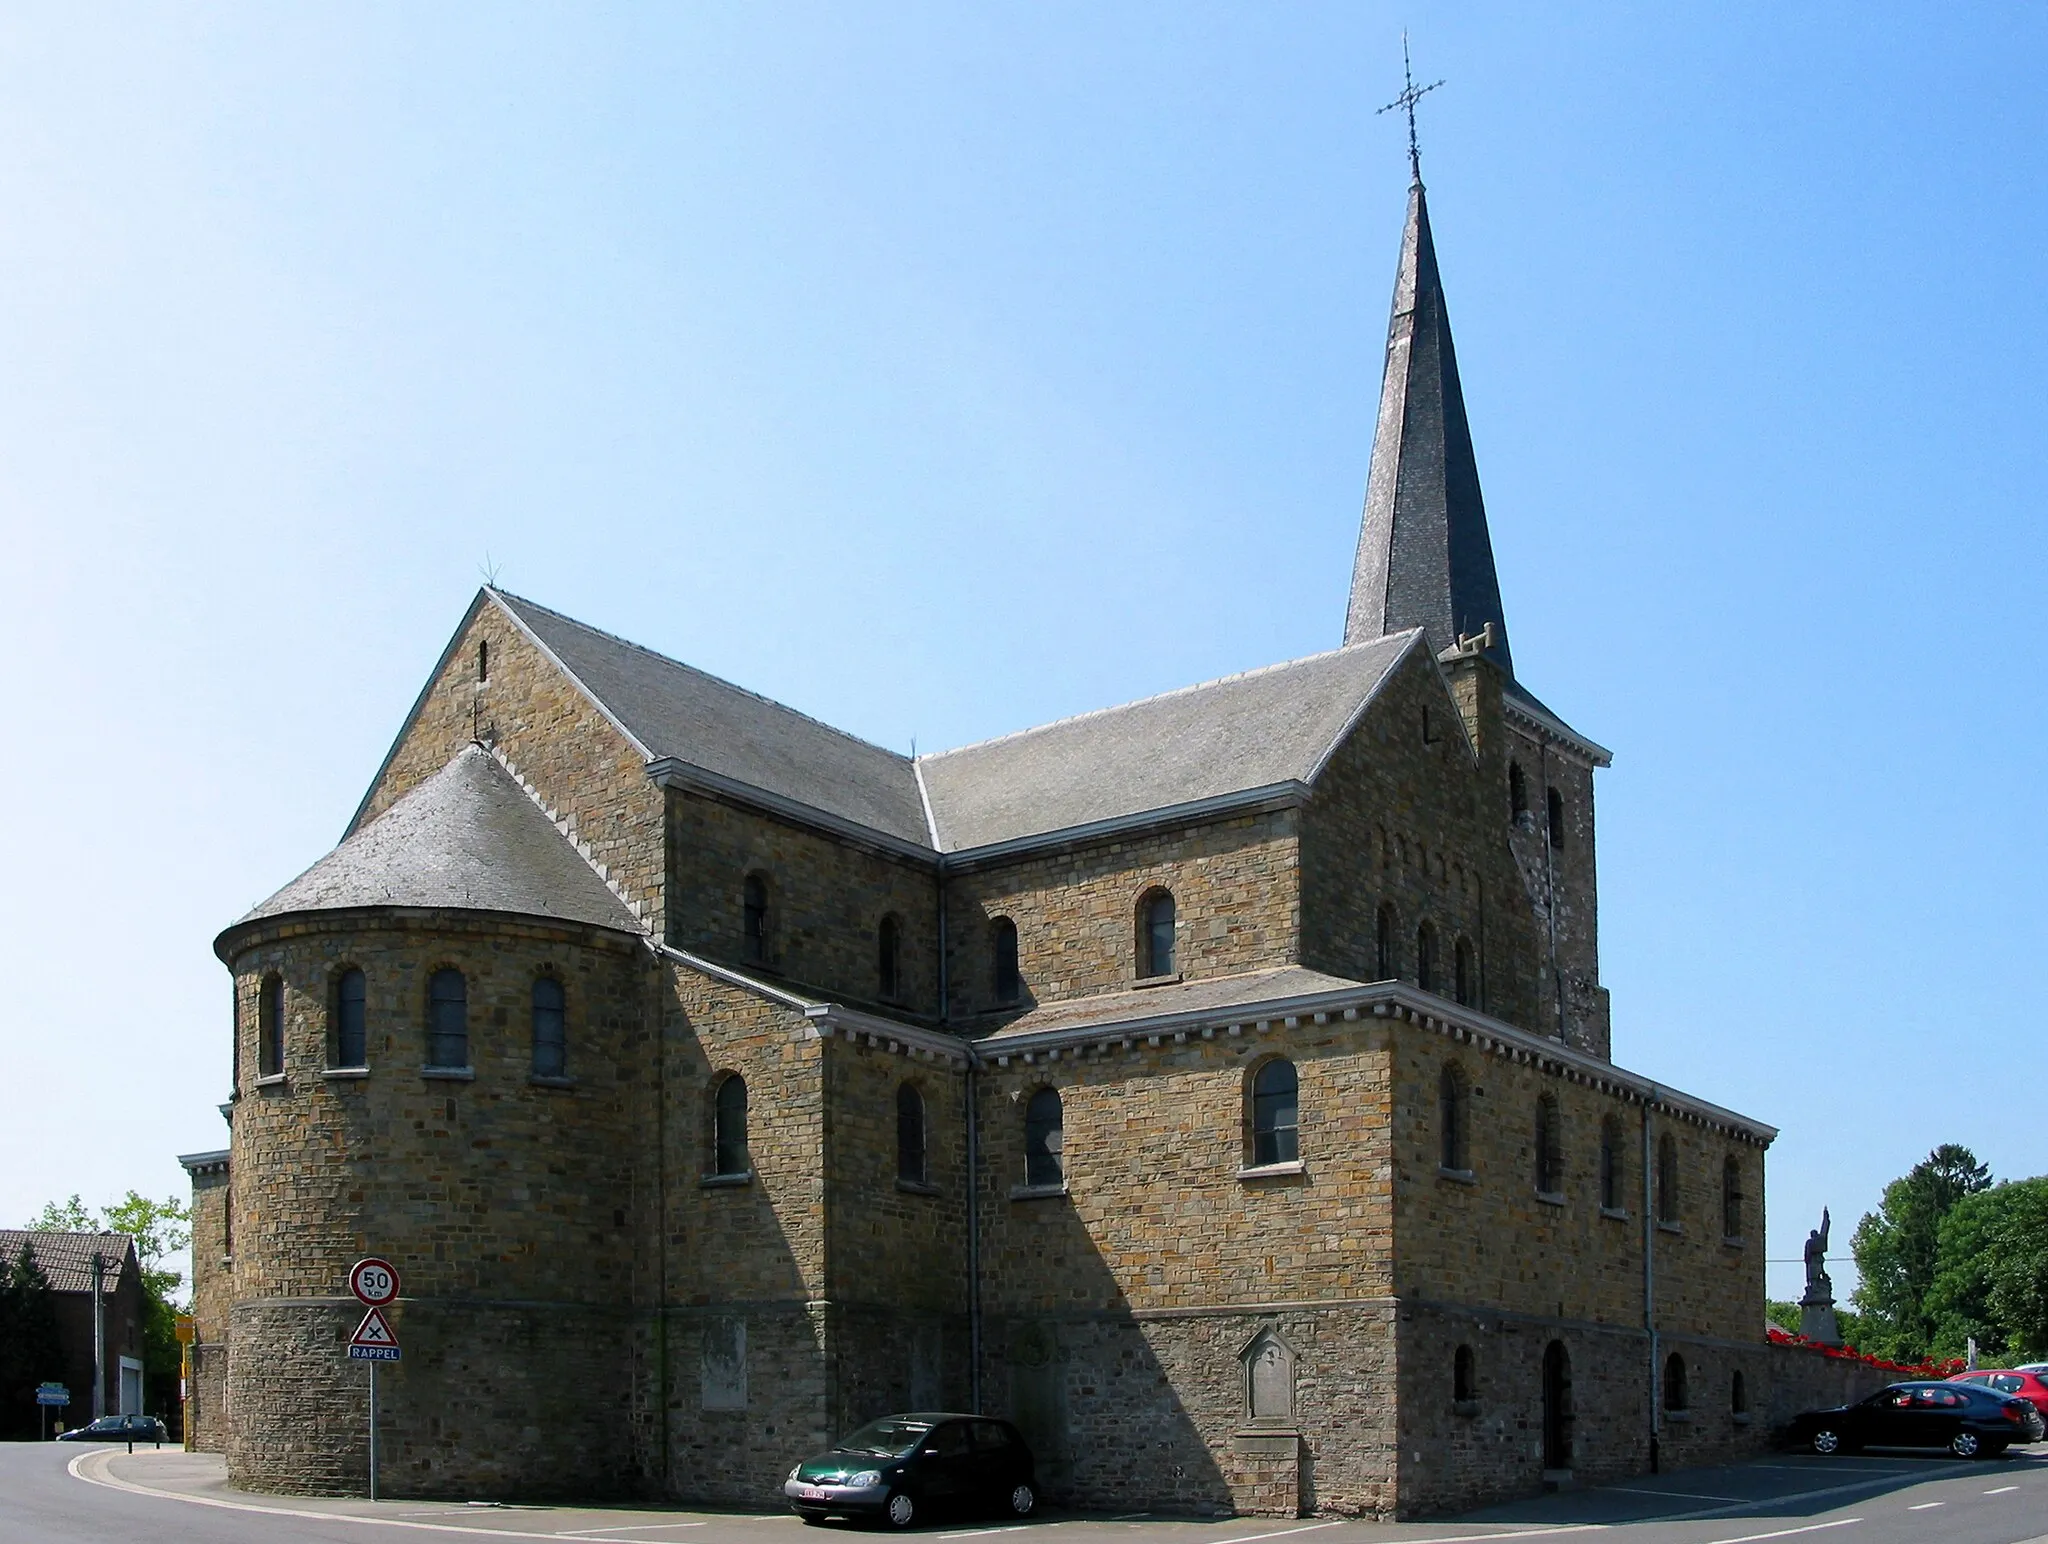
column 374, row 1281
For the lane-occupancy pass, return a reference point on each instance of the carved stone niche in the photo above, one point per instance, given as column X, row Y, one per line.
column 1267, row 1365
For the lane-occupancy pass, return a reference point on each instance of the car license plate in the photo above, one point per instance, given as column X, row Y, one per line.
column 814, row 1493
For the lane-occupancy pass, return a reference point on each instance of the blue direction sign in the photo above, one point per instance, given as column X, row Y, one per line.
column 373, row 1340
column 53, row 1394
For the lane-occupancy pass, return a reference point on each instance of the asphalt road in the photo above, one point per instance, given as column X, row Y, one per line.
column 74, row 1494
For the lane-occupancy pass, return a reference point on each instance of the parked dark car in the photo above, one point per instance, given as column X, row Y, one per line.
column 902, row 1468
column 1967, row 1420
column 119, row 1428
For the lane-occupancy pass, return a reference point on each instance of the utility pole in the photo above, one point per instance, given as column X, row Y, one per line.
column 99, row 1337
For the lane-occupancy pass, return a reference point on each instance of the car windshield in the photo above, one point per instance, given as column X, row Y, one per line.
column 890, row 1437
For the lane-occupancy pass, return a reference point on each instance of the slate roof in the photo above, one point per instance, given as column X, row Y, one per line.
column 1202, row 996
column 1244, row 732
column 1425, row 558
column 66, row 1258
column 674, row 710
column 467, row 838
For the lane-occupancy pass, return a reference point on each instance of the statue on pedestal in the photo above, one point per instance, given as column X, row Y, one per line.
column 1817, row 1307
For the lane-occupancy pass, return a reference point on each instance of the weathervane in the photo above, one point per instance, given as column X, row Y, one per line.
column 1410, row 95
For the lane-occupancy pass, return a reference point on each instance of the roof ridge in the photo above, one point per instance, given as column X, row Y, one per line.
column 696, row 670
column 1178, row 691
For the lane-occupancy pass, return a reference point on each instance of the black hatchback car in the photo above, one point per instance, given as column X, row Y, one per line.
column 904, row 1467
column 1967, row 1420
column 119, row 1428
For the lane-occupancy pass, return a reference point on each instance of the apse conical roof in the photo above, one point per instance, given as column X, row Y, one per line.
column 469, row 838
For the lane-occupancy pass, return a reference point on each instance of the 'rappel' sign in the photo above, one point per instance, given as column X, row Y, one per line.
column 373, row 1340
column 374, row 1282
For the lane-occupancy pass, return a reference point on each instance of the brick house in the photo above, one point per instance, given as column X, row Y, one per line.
column 1219, row 1085
column 67, row 1260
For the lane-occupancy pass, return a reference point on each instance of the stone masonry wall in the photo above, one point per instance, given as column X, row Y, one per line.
column 1141, row 1281
column 1490, row 1239
column 212, row 1295
column 1562, row 882
column 1414, row 822
column 745, row 1345
column 554, row 736
column 1076, row 910
column 827, row 899
column 497, row 1195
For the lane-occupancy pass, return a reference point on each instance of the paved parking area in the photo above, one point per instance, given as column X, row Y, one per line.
column 53, row 1495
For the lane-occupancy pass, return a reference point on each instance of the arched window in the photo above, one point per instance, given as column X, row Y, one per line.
column 1738, row 1395
column 1556, row 818
column 351, row 1021
column 729, row 1127
column 1674, row 1382
column 1557, row 1406
column 754, row 920
column 1465, row 971
column 447, row 1020
column 483, row 660
column 1667, row 1181
column 1425, row 957
column 1276, row 1114
column 1549, row 1147
column 1002, row 947
column 1045, row 1139
column 1155, row 934
column 1464, row 1386
column 1613, row 1164
column 889, row 957
column 1731, row 1197
column 270, row 1027
column 1454, row 1150
column 1518, row 793
column 909, row 1134
column 550, row 1028
column 1384, row 963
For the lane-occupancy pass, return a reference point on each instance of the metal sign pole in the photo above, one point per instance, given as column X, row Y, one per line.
column 373, row 1431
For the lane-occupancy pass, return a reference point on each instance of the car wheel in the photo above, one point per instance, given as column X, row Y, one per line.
column 1965, row 1444
column 1023, row 1500
column 1827, row 1441
column 899, row 1511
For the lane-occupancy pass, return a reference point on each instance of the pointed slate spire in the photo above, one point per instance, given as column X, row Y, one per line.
column 1424, row 557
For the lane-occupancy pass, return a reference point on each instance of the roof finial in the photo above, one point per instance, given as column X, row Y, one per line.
column 1410, row 95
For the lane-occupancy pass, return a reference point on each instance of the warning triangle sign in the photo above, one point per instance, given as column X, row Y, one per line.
column 374, row 1331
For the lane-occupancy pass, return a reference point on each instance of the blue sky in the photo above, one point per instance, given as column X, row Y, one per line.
column 942, row 369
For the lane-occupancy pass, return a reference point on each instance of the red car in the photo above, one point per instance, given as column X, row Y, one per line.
column 2030, row 1385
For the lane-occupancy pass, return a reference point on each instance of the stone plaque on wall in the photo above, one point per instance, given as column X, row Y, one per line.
column 724, row 1373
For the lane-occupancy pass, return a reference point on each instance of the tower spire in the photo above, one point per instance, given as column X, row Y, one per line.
column 1425, row 558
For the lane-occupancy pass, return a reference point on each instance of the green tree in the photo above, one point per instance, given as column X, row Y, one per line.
column 30, row 1352
column 2018, row 1272
column 1897, row 1247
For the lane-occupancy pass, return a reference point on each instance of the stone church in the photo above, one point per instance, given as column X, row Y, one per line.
column 1218, row 1085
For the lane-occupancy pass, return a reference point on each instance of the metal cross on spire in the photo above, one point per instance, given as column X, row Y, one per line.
column 1410, row 95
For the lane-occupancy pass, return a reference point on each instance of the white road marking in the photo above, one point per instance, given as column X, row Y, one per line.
column 1247, row 1538
column 1925, row 1506
column 1679, row 1495
column 1519, row 1533
column 1786, row 1533
column 2001, row 1490
column 574, row 1533
column 109, row 1482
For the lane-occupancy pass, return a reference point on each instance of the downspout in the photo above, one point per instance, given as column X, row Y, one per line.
column 1650, row 1273
column 1550, row 884
column 661, row 1224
